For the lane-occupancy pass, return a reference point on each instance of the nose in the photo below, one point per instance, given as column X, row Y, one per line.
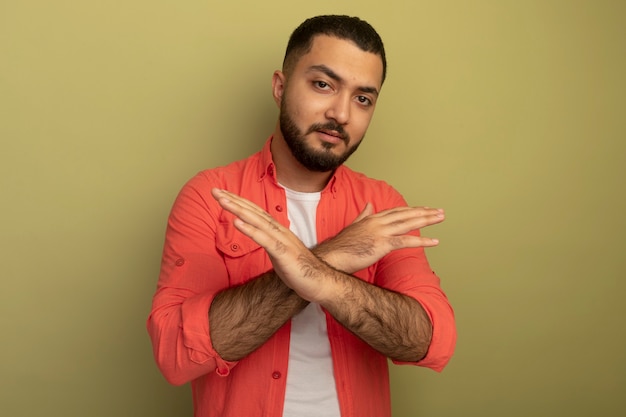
column 339, row 109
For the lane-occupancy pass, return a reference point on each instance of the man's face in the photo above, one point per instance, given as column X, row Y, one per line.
column 328, row 101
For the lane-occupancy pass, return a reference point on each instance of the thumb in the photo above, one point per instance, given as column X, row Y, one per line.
column 367, row 210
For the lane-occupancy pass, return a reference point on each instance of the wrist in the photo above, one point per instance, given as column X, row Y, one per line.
column 332, row 286
column 330, row 257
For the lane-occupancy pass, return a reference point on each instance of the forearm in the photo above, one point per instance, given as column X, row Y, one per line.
column 394, row 324
column 242, row 318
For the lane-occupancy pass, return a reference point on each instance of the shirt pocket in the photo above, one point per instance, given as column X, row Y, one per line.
column 243, row 257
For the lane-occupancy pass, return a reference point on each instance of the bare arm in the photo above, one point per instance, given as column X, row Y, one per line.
column 242, row 318
column 392, row 323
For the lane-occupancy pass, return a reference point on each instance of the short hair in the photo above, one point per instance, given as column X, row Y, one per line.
column 339, row 26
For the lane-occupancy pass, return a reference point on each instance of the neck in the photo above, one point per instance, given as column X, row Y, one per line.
column 290, row 172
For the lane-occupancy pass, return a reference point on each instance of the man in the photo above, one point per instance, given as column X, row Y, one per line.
column 287, row 279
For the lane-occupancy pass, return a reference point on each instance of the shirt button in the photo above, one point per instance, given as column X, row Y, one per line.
column 279, row 208
column 234, row 247
column 276, row 375
column 179, row 262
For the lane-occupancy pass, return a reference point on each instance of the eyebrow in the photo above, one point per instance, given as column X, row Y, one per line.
column 332, row 74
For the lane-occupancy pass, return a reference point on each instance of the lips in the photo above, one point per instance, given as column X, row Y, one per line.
column 330, row 138
column 332, row 133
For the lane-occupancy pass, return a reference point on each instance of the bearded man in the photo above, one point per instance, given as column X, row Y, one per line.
column 288, row 279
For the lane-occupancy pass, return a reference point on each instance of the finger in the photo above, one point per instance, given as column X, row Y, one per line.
column 244, row 203
column 367, row 210
column 403, row 221
column 399, row 213
column 409, row 241
column 240, row 206
column 258, row 219
column 248, row 212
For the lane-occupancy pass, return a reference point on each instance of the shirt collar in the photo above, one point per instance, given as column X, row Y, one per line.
column 268, row 168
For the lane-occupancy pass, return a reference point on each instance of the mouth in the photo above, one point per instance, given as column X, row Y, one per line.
column 332, row 136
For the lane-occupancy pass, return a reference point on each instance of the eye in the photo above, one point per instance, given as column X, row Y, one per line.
column 364, row 100
column 322, row 85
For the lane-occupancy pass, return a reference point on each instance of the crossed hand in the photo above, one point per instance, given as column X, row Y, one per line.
column 309, row 272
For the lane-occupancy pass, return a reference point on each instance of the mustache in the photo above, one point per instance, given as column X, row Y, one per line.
column 330, row 126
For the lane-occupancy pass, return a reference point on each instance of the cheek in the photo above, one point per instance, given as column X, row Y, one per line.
column 360, row 123
column 309, row 105
column 312, row 108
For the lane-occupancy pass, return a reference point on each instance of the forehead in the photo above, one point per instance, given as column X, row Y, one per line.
column 345, row 58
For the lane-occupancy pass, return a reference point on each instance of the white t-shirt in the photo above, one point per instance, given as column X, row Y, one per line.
column 311, row 390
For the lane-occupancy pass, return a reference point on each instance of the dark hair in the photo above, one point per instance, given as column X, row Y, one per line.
column 343, row 27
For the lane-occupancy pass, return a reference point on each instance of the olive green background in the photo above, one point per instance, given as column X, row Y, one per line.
column 511, row 115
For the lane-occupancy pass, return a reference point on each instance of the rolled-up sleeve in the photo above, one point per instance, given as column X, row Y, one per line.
column 409, row 274
column 192, row 273
column 407, row 271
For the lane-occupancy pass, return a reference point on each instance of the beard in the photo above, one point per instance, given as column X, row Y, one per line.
column 312, row 159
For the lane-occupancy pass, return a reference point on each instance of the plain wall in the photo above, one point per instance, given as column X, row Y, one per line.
column 508, row 114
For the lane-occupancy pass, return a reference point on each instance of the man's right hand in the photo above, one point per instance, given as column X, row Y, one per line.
column 373, row 235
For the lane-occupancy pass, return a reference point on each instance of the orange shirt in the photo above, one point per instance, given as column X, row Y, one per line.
column 204, row 254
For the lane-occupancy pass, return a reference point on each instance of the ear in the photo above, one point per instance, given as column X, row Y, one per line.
column 278, row 86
